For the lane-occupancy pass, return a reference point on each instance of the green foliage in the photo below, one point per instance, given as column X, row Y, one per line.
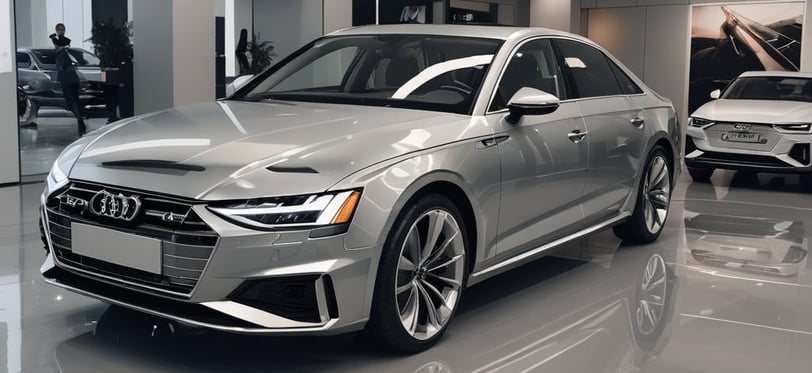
column 261, row 54
column 111, row 42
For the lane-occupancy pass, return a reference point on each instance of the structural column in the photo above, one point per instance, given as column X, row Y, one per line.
column 174, row 53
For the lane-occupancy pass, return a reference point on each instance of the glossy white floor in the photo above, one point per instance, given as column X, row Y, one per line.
column 736, row 296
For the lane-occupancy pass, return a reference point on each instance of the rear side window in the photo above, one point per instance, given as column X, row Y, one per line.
column 590, row 70
column 627, row 85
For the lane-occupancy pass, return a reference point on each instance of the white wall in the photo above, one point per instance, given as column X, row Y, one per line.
column 193, row 34
column 337, row 15
column 289, row 24
column 33, row 29
column 9, row 129
column 561, row 15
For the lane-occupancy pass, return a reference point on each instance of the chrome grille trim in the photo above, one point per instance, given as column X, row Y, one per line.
column 187, row 247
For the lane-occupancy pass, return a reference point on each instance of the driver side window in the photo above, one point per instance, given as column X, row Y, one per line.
column 534, row 65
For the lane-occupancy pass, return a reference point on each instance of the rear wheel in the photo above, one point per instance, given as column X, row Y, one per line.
column 701, row 175
column 654, row 197
column 421, row 277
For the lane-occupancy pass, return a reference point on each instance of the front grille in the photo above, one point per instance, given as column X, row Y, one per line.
column 744, row 159
column 187, row 241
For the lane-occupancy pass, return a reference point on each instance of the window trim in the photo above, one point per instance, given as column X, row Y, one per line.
column 568, row 82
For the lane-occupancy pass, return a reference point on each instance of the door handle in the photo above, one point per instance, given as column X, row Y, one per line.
column 638, row 122
column 577, row 136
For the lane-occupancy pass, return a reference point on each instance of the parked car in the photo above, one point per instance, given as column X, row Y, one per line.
column 364, row 181
column 36, row 77
column 759, row 123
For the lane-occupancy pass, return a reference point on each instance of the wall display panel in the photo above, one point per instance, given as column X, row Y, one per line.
column 729, row 39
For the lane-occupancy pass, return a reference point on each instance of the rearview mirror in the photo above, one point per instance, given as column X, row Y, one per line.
column 531, row 101
column 716, row 94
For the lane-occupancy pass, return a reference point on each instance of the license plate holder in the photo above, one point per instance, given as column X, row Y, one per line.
column 743, row 137
column 124, row 249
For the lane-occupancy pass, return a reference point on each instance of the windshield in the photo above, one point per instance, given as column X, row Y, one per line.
column 83, row 57
column 440, row 73
column 770, row 88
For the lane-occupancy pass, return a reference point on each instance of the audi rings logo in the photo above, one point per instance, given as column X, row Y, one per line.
column 742, row 126
column 115, row 206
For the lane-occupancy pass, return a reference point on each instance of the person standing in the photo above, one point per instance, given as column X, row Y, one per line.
column 67, row 76
column 242, row 49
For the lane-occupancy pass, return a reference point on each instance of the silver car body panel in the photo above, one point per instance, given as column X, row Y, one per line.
column 522, row 207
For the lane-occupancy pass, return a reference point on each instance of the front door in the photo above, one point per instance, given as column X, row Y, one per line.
column 543, row 167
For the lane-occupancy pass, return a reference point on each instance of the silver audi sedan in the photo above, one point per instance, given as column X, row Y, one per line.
column 365, row 181
column 760, row 123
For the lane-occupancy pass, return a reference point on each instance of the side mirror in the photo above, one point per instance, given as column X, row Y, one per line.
column 238, row 83
column 531, row 101
column 716, row 94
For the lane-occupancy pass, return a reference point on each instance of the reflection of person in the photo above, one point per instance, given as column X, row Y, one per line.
column 67, row 76
column 242, row 48
column 58, row 38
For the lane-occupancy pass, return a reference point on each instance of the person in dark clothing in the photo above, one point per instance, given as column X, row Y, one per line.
column 242, row 48
column 68, row 77
column 58, row 38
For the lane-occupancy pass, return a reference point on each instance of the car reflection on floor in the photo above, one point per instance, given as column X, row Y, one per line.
column 619, row 323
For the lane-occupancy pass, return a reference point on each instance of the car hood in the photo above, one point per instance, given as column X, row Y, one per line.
column 223, row 150
column 755, row 111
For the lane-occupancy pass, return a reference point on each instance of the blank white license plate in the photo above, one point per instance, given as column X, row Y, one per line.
column 124, row 249
column 747, row 137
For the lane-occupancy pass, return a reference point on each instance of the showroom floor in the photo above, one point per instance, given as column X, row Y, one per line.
column 40, row 145
column 736, row 297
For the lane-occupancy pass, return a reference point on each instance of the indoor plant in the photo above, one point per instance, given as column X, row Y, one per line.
column 261, row 54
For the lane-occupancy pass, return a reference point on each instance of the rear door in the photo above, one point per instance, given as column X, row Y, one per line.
column 615, row 126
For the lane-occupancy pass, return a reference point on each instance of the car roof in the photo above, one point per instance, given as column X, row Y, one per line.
column 473, row 31
column 776, row 74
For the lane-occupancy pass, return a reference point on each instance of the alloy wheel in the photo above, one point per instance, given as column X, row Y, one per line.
column 657, row 194
column 25, row 116
column 430, row 273
column 653, row 292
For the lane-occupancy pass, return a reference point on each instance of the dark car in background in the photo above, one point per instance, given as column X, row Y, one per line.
column 37, row 85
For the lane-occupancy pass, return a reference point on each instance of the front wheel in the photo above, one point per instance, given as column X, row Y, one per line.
column 26, row 110
column 421, row 277
column 648, row 219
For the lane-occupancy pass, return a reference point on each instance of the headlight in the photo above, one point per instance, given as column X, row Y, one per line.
column 58, row 176
column 307, row 211
column 699, row 122
column 793, row 127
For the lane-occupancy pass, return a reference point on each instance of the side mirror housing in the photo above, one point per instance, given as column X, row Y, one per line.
column 531, row 101
column 716, row 94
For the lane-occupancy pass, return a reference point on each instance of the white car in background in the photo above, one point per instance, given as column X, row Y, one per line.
column 761, row 122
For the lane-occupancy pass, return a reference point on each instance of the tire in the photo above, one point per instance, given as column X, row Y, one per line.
column 401, row 288
column 701, row 175
column 27, row 111
column 650, row 213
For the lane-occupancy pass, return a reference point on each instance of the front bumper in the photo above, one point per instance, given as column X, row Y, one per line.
column 788, row 153
column 339, row 282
